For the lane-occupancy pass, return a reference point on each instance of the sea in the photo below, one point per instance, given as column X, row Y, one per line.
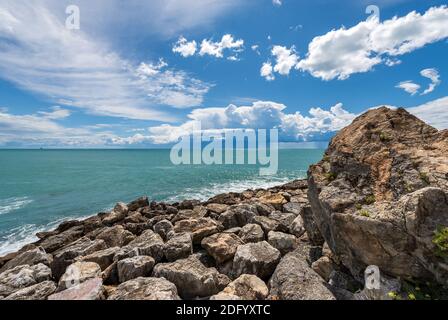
column 39, row 189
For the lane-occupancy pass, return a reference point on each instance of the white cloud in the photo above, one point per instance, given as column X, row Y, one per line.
column 409, row 87
column 261, row 114
column 285, row 59
column 255, row 48
column 343, row 52
column 277, row 2
column 216, row 49
column 434, row 113
column 40, row 55
column 185, row 48
column 434, row 76
column 267, row 71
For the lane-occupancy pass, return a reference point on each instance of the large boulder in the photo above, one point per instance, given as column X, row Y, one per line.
column 238, row 216
column 135, row 267
column 116, row 236
column 23, row 276
column 179, row 246
column 283, row 242
column 246, row 287
column 59, row 240
column 117, row 214
column 78, row 273
column 380, row 196
column 259, row 259
column 191, row 277
column 91, row 289
column 145, row 289
column 148, row 243
column 104, row 258
column 31, row 257
column 199, row 228
column 251, row 233
column 138, row 203
column 221, row 246
column 294, row 279
column 39, row 291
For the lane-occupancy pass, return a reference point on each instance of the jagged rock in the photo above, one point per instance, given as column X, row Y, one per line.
column 238, row 216
column 67, row 255
column 92, row 223
column 148, row 244
column 293, row 279
column 117, row 214
column 21, row 277
column 135, row 217
column 104, row 258
column 131, row 268
column 251, row 233
column 229, row 199
column 267, row 224
column 39, row 291
column 77, row 273
column 312, row 229
column 116, row 236
column 163, row 228
column 380, row 194
column 138, row 203
column 246, row 287
column 31, row 257
column 110, row 274
column 292, row 207
column 284, row 220
column 259, row 259
column 277, row 200
column 199, row 228
column 188, row 204
column 91, row 289
column 179, row 246
column 296, row 228
column 323, row 267
column 196, row 213
column 145, row 289
column 221, row 246
column 53, row 243
column 191, row 277
column 217, row 208
column 264, row 209
column 282, row 242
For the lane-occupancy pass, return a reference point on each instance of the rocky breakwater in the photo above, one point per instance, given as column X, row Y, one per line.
column 380, row 197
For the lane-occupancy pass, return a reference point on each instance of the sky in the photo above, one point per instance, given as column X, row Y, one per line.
column 138, row 74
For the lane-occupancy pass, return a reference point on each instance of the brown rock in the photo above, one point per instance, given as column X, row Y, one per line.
column 221, row 246
column 199, row 228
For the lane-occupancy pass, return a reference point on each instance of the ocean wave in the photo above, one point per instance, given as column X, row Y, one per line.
column 12, row 204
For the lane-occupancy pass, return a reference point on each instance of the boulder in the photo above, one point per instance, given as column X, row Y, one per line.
column 196, row 213
column 217, row 208
column 292, row 207
column 283, row 242
column 39, row 291
column 148, row 244
column 297, row 227
column 179, row 246
column 229, row 199
column 222, row 296
column 163, row 228
column 323, row 267
column 310, row 226
column 31, row 257
column 246, row 287
column 293, row 279
column 276, row 200
column 145, row 289
column 221, row 246
column 259, row 259
column 284, row 220
column 238, row 216
column 117, row 214
column 104, row 258
column 116, row 236
column 138, row 203
column 199, row 228
column 78, row 273
column 135, row 267
column 91, row 289
column 191, row 277
column 251, row 233
column 23, row 276
column 55, row 242
column 379, row 196
column 267, row 224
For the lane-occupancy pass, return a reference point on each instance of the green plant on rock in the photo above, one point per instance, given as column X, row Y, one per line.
column 358, row 206
column 424, row 177
column 331, row 176
column 441, row 241
column 384, row 137
column 370, row 199
column 364, row 213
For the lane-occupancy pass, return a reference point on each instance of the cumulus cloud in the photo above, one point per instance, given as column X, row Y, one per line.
column 71, row 68
column 185, row 48
column 285, row 60
column 267, row 71
column 409, row 87
column 343, row 52
column 216, row 49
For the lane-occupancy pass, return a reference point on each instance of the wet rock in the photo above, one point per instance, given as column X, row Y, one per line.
column 78, row 273
column 138, row 203
column 259, row 259
column 21, row 277
column 163, row 228
column 39, row 291
column 191, row 277
column 31, row 257
column 104, row 258
column 179, row 246
column 293, row 279
column 246, row 287
column 251, row 233
column 91, row 289
column 282, row 242
column 131, row 268
column 146, row 289
column 116, row 236
column 221, row 246
column 199, row 228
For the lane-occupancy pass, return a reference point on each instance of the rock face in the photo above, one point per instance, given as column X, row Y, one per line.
column 145, row 289
column 191, row 277
column 259, row 259
column 380, row 195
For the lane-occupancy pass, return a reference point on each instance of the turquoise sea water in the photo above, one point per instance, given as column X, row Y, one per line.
column 41, row 188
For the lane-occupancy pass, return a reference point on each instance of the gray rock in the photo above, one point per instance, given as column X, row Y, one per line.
column 259, row 259
column 251, row 233
column 179, row 246
column 116, row 236
column 117, row 214
column 293, row 279
column 267, row 224
column 292, row 207
column 323, row 267
column 297, row 227
column 311, row 227
column 104, row 258
column 39, row 291
column 148, row 244
column 238, row 216
column 23, row 276
column 191, row 277
column 55, row 242
column 146, row 289
column 78, row 273
column 282, row 242
column 284, row 220
column 91, row 289
column 132, row 268
column 31, row 257
column 199, row 228
column 138, row 203
column 163, row 228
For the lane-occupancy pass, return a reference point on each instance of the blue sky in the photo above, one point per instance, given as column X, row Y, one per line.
column 137, row 73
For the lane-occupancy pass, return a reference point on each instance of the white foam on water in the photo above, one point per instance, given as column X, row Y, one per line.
column 12, row 204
